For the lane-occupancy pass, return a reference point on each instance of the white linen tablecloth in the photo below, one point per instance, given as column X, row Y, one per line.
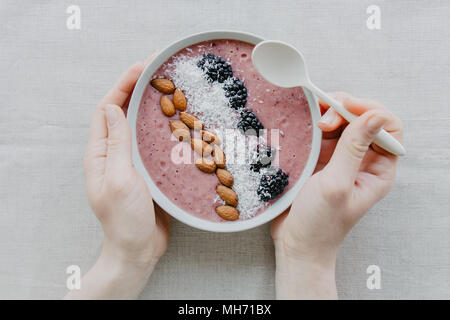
column 51, row 78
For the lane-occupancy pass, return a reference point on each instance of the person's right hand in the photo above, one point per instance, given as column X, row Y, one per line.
column 352, row 175
column 136, row 230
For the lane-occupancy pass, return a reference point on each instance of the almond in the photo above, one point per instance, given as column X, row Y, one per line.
column 210, row 137
column 180, row 130
column 228, row 195
column 219, row 157
column 191, row 121
column 205, row 165
column 225, row 177
column 227, row 213
column 163, row 85
column 167, row 106
column 201, row 147
column 179, row 100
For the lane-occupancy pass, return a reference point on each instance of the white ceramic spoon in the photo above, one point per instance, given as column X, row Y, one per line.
column 284, row 66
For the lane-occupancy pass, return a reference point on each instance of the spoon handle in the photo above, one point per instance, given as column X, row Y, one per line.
column 383, row 138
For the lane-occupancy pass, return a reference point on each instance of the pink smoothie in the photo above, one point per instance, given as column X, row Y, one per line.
column 277, row 108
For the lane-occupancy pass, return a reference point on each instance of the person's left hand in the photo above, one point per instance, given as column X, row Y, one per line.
column 136, row 230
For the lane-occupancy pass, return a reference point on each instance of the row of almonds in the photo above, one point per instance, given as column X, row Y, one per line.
column 212, row 157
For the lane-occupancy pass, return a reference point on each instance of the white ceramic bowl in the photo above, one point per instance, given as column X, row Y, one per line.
column 232, row 226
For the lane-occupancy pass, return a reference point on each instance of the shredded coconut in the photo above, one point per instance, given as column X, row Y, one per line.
column 205, row 100
column 208, row 102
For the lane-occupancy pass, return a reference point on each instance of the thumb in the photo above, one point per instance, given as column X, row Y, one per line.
column 118, row 155
column 354, row 143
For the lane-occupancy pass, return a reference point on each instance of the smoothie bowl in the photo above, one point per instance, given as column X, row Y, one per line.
column 220, row 148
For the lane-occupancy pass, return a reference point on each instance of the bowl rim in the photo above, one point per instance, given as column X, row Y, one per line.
column 275, row 209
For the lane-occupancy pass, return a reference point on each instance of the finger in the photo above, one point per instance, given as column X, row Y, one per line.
column 327, row 150
column 339, row 96
column 354, row 143
column 331, row 120
column 329, row 141
column 358, row 106
column 124, row 106
column 334, row 134
column 118, row 154
column 120, row 92
column 162, row 218
column 149, row 59
column 94, row 158
column 97, row 133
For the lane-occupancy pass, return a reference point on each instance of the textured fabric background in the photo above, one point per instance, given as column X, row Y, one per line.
column 52, row 77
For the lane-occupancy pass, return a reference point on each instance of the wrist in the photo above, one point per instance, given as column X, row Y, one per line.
column 323, row 256
column 117, row 278
column 112, row 278
column 141, row 264
column 119, row 268
column 305, row 275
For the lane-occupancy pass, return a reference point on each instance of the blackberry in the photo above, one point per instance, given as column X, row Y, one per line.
column 236, row 93
column 217, row 69
column 249, row 124
column 272, row 185
column 265, row 157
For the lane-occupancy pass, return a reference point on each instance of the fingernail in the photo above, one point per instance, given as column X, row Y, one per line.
column 111, row 114
column 375, row 124
column 327, row 118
